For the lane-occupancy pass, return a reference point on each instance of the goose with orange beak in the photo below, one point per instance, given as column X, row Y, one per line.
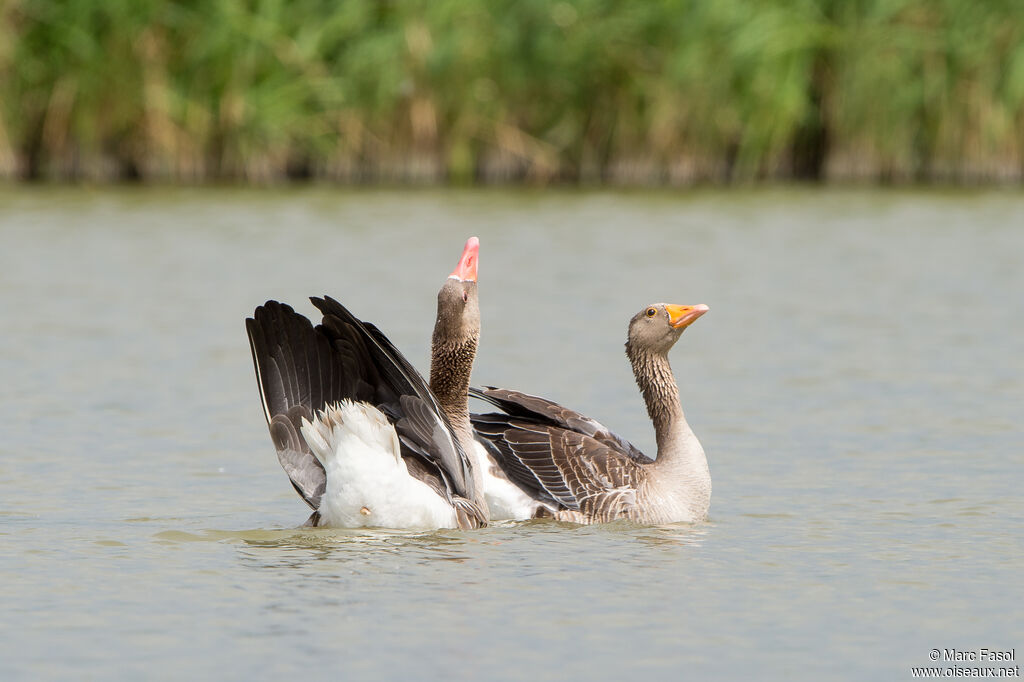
column 575, row 469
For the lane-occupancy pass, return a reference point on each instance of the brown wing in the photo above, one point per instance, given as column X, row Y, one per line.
column 517, row 404
column 579, row 472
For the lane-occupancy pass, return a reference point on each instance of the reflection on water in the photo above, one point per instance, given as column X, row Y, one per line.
column 677, row 535
column 329, row 542
column 856, row 386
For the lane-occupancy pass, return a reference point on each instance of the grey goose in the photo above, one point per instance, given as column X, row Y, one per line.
column 363, row 438
column 574, row 469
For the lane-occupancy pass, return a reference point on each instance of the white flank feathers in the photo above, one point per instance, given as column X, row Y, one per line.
column 368, row 484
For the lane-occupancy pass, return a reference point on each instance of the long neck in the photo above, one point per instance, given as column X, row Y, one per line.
column 451, row 364
column 678, row 447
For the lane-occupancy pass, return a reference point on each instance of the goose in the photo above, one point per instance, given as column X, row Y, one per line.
column 577, row 470
column 362, row 437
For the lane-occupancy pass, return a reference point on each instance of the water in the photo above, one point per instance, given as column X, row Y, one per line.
column 857, row 385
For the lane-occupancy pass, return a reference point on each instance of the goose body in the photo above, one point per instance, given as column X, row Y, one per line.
column 363, row 439
column 367, row 482
column 574, row 469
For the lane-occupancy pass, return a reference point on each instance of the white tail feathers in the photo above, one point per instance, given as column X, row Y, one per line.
column 338, row 424
column 368, row 483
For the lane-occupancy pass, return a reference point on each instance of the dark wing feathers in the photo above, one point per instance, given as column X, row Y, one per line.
column 301, row 369
column 560, row 456
column 577, row 472
column 519, row 404
column 398, row 375
column 533, row 450
column 281, row 342
column 491, row 428
column 420, row 429
column 405, row 369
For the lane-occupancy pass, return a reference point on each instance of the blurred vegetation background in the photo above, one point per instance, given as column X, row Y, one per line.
column 594, row 91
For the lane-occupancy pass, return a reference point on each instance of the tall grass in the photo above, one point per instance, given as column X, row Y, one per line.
column 660, row 91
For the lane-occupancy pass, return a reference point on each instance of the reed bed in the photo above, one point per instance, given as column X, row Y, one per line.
column 657, row 92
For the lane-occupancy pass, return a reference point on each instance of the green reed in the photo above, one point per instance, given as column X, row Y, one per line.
column 654, row 92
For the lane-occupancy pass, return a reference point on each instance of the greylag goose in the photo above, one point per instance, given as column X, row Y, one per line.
column 363, row 439
column 577, row 470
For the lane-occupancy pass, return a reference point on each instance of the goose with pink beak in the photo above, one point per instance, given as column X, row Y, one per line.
column 365, row 441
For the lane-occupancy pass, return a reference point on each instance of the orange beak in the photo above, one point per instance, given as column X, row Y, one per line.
column 682, row 316
column 465, row 271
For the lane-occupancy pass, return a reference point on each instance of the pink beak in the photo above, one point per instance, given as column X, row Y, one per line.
column 465, row 271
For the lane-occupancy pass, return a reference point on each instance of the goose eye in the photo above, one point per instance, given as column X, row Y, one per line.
column 651, row 312
column 465, row 296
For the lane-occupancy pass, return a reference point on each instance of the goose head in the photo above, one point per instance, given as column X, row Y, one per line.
column 458, row 308
column 658, row 326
